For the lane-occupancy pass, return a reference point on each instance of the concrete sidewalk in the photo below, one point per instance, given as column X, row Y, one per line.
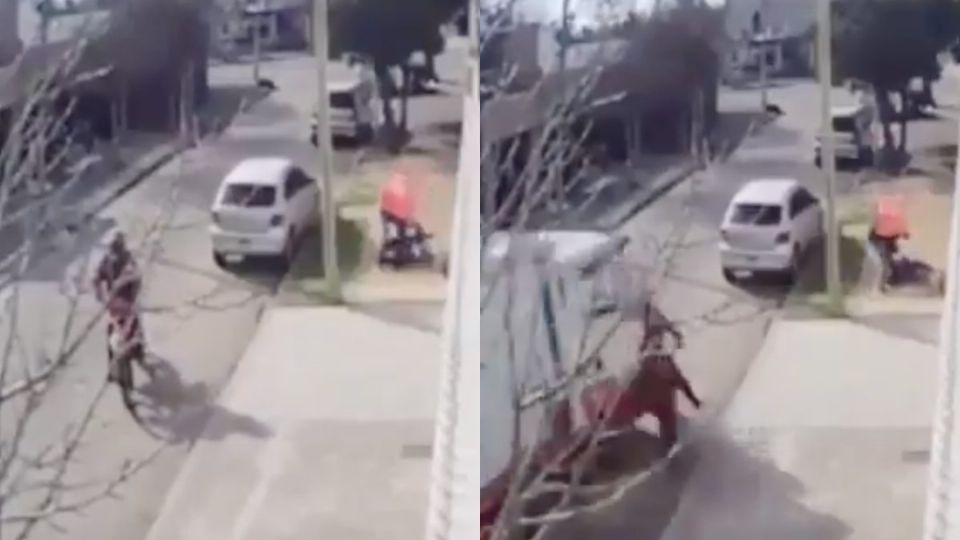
column 828, row 438
column 324, row 432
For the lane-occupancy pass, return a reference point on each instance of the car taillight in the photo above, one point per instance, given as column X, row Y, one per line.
column 215, row 217
column 725, row 236
column 276, row 221
column 783, row 238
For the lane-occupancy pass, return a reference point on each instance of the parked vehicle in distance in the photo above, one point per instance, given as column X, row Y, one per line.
column 854, row 139
column 423, row 80
column 767, row 227
column 263, row 207
column 354, row 103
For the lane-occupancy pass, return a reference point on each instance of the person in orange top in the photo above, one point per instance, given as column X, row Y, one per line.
column 889, row 226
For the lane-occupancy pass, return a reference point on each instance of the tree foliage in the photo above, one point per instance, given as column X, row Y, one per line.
column 889, row 43
column 389, row 33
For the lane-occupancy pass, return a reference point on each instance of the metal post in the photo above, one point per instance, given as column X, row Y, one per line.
column 257, row 22
column 763, row 77
column 828, row 155
column 331, row 268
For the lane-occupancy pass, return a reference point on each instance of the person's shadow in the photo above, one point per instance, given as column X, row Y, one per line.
column 173, row 411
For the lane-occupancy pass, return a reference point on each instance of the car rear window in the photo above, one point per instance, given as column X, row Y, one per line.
column 249, row 195
column 844, row 124
column 757, row 214
column 341, row 100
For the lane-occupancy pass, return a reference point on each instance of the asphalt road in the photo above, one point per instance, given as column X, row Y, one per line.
column 198, row 317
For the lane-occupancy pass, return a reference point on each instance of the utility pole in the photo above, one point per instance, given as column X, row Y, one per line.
column 257, row 22
column 764, row 100
column 331, row 268
column 828, row 155
column 759, row 39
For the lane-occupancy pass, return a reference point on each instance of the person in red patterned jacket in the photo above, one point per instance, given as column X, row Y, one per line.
column 655, row 387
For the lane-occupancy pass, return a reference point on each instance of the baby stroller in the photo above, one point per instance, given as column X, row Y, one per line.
column 405, row 242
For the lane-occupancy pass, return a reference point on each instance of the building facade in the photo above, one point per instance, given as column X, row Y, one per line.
column 131, row 67
column 623, row 110
column 781, row 32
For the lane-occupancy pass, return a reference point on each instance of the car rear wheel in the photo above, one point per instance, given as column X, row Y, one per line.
column 792, row 274
column 220, row 259
column 285, row 258
column 729, row 275
column 365, row 134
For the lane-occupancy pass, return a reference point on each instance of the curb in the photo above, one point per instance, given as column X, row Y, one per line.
column 134, row 175
column 660, row 188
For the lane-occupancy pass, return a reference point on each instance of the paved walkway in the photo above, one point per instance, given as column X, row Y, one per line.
column 828, row 438
column 331, row 435
column 434, row 190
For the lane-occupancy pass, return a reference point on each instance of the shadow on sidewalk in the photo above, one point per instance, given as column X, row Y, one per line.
column 175, row 412
column 717, row 489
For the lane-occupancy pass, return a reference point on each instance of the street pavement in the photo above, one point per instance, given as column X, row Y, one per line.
column 198, row 318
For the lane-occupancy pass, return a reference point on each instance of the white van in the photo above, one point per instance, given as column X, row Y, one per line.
column 535, row 324
column 854, row 138
column 355, row 109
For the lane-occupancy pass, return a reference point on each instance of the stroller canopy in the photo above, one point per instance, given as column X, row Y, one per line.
column 396, row 197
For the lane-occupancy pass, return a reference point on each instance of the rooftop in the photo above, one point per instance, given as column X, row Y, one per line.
column 765, row 190
column 259, row 170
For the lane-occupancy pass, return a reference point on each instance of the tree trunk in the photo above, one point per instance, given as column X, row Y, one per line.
column 431, row 67
column 928, row 92
column 885, row 110
column 905, row 106
column 404, row 96
column 385, row 82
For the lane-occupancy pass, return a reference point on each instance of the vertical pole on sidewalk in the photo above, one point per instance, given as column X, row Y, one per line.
column 828, row 155
column 256, row 47
column 331, row 268
column 764, row 101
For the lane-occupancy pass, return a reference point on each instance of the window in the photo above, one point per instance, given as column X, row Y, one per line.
column 800, row 201
column 757, row 214
column 249, row 196
column 296, row 180
column 844, row 124
column 341, row 100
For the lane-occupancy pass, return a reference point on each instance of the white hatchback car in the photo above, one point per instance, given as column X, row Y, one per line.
column 767, row 228
column 263, row 206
